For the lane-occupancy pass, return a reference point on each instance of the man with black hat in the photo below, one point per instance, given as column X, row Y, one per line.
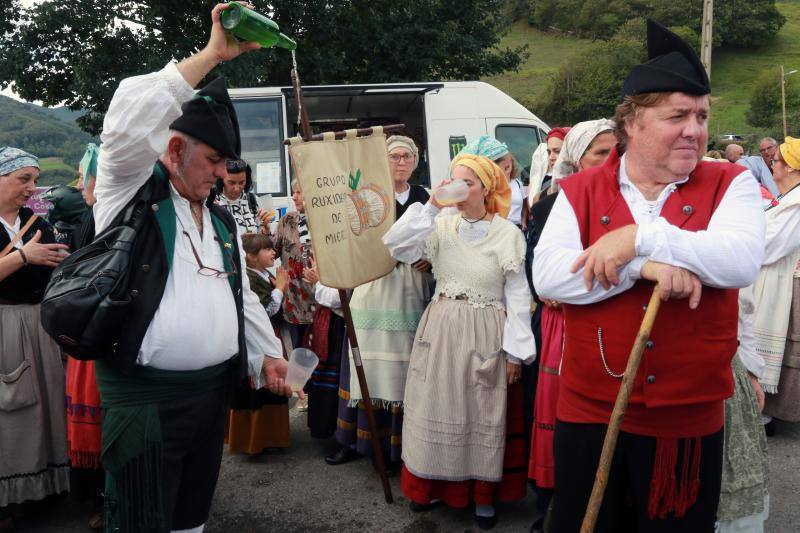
column 653, row 212
column 194, row 326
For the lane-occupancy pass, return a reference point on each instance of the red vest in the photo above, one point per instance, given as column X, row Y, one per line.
column 685, row 373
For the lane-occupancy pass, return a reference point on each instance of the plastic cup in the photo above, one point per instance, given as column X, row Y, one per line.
column 454, row 192
column 265, row 202
column 302, row 363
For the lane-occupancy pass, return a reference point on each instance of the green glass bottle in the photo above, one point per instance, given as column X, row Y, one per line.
column 249, row 25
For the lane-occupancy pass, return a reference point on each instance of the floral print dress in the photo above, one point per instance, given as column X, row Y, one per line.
column 298, row 302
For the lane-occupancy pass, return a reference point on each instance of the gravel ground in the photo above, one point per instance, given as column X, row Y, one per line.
column 294, row 491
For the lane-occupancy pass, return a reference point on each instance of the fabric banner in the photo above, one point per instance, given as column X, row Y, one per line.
column 349, row 199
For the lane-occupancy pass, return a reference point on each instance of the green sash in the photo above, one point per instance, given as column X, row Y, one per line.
column 131, row 436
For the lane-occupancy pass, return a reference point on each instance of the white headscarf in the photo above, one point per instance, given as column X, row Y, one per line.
column 538, row 171
column 575, row 144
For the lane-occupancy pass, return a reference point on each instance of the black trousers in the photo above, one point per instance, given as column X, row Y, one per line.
column 577, row 454
column 193, row 433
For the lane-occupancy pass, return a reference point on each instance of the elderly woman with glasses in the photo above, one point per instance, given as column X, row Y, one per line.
column 777, row 290
column 32, row 416
column 386, row 313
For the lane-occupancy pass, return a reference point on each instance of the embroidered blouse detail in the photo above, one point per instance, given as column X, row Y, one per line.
column 474, row 269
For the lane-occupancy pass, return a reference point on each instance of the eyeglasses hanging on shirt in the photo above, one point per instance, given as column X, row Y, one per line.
column 209, row 271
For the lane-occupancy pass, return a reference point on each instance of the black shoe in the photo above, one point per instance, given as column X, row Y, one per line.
column 486, row 522
column 344, row 455
column 423, row 507
column 538, row 526
column 769, row 428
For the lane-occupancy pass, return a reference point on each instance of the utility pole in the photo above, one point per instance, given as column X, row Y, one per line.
column 706, row 38
column 783, row 97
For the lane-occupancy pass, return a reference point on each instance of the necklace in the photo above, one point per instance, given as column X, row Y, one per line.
column 781, row 196
column 787, row 192
column 470, row 222
column 197, row 214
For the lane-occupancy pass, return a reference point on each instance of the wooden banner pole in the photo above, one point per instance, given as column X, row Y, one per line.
column 610, row 442
column 351, row 332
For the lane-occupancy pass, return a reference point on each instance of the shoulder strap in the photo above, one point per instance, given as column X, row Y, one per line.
column 252, row 202
column 19, row 235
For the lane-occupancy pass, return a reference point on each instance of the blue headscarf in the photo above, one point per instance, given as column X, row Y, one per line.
column 12, row 159
column 487, row 147
column 88, row 163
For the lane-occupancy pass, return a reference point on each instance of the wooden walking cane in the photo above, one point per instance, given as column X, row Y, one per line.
column 351, row 332
column 610, row 442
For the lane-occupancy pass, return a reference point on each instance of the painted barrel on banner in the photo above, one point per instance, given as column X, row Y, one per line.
column 367, row 208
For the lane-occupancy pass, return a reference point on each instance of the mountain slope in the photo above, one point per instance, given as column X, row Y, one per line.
column 42, row 133
column 733, row 71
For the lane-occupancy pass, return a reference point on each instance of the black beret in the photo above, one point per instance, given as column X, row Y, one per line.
column 211, row 118
column 672, row 66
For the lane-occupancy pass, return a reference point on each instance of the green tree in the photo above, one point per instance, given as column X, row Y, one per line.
column 765, row 103
column 737, row 23
column 9, row 14
column 590, row 86
column 77, row 52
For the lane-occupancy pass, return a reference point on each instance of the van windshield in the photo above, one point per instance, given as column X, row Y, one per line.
column 261, row 128
column 521, row 141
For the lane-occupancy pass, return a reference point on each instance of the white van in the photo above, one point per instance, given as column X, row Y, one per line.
column 441, row 117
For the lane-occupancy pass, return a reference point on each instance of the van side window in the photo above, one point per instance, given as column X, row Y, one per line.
column 261, row 128
column 521, row 141
column 542, row 135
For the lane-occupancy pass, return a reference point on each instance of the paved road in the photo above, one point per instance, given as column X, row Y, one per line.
column 295, row 491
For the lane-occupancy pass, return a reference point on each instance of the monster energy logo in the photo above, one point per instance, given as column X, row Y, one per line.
column 457, row 143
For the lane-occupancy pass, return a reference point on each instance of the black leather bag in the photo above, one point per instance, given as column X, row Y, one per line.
column 86, row 300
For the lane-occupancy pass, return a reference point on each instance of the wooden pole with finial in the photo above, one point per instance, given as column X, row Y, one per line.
column 377, row 451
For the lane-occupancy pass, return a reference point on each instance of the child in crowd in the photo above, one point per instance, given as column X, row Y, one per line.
column 259, row 419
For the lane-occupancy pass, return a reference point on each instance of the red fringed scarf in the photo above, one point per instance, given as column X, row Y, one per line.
column 667, row 493
column 83, row 415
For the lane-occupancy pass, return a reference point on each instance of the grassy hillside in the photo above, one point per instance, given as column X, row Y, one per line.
column 54, row 171
column 547, row 53
column 54, row 163
column 59, row 143
column 732, row 72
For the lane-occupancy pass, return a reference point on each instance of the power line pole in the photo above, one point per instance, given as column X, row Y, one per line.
column 783, row 99
column 706, row 38
column 783, row 96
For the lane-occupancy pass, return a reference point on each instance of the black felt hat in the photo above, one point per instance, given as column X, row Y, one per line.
column 672, row 66
column 211, row 118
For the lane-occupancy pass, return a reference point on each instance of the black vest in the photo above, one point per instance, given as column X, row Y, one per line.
column 150, row 267
column 26, row 285
column 416, row 194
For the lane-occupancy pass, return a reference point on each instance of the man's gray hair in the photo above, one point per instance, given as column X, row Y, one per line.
column 731, row 147
column 770, row 139
column 191, row 143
